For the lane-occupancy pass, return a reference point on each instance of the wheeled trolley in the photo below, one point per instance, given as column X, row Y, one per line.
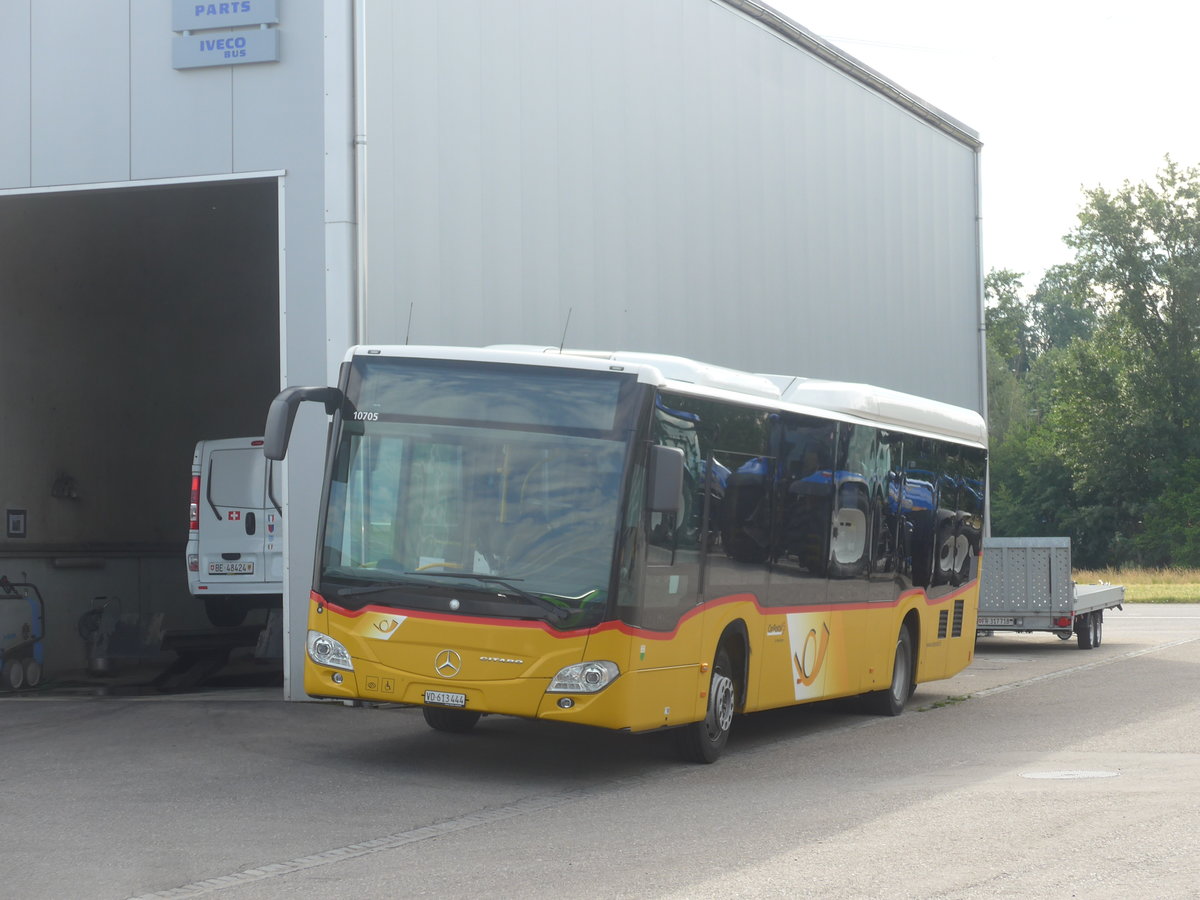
column 22, row 630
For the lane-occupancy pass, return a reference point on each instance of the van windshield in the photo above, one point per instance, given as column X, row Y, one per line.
column 481, row 490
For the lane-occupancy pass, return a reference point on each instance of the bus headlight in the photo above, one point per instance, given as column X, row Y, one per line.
column 325, row 651
column 584, row 678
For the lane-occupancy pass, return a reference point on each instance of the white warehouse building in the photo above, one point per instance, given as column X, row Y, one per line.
column 203, row 202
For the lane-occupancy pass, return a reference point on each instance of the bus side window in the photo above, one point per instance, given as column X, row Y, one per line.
column 918, row 508
column 678, row 428
column 804, row 494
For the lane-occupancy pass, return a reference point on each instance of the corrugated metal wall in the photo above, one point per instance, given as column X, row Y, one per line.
column 90, row 98
column 676, row 177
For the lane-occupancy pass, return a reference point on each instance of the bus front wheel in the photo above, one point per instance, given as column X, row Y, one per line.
column 704, row 741
column 455, row 721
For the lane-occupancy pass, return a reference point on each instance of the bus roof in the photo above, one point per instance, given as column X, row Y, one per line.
column 862, row 402
column 888, row 407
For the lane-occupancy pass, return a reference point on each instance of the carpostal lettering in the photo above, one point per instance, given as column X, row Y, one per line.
column 221, row 9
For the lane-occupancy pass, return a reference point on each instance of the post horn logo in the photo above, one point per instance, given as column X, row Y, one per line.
column 387, row 626
column 809, row 660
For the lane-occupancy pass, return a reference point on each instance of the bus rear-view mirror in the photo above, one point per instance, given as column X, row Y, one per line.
column 666, row 479
column 282, row 415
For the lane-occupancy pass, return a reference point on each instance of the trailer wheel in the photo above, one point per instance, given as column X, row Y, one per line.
column 454, row 721
column 1097, row 627
column 1085, row 630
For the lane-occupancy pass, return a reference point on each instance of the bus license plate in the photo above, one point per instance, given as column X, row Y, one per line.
column 441, row 698
column 231, row 568
column 996, row 620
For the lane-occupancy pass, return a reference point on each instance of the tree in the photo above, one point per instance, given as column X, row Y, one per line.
column 1138, row 251
column 1104, row 437
column 1096, row 412
column 1061, row 309
column 1008, row 401
column 1125, row 400
column 1006, row 317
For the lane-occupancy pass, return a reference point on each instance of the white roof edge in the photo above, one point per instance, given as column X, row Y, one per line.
column 888, row 407
column 850, row 399
column 592, row 360
column 671, row 368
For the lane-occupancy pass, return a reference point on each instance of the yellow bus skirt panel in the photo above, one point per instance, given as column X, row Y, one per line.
column 660, row 674
column 506, row 667
column 501, row 667
column 813, row 653
column 947, row 644
column 796, row 655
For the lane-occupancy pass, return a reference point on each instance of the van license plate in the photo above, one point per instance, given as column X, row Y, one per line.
column 996, row 620
column 441, row 698
column 231, row 568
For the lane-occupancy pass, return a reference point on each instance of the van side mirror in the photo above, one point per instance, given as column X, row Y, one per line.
column 282, row 415
column 665, row 491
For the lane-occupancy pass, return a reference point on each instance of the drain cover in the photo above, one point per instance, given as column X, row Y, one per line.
column 1067, row 774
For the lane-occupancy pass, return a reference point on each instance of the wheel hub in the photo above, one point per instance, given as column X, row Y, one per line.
column 720, row 708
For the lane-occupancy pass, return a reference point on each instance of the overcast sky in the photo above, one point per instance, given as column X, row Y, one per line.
column 1064, row 95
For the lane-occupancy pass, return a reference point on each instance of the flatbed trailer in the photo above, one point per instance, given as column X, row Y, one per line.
column 1026, row 586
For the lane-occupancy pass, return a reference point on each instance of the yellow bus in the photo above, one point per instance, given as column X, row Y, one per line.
column 632, row 541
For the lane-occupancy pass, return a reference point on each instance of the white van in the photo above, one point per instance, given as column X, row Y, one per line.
column 235, row 537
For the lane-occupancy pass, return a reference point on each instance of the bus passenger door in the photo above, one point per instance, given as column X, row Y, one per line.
column 859, row 474
column 665, row 640
column 795, row 658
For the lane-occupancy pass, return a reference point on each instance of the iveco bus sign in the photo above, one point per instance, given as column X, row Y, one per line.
column 191, row 51
column 199, row 46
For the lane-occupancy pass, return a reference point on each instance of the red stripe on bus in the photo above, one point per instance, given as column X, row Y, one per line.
column 635, row 631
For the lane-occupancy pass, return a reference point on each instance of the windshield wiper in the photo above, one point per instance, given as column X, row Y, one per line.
column 507, row 583
column 372, row 589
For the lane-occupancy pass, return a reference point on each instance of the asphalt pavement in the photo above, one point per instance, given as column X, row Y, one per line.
column 1041, row 770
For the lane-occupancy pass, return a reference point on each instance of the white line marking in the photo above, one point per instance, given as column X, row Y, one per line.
column 387, row 842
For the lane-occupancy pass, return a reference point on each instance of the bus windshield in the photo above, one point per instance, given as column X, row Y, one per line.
column 478, row 490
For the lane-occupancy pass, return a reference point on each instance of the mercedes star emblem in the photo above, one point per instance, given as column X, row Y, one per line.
column 447, row 663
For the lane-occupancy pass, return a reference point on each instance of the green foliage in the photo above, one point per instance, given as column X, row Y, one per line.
column 1007, row 319
column 1138, row 249
column 1170, row 532
column 1031, row 486
column 1008, row 399
column 1096, row 381
column 1061, row 310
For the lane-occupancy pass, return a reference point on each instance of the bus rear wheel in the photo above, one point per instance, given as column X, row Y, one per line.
column 704, row 741
column 455, row 721
column 891, row 702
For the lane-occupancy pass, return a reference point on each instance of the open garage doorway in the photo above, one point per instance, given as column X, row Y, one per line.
column 136, row 321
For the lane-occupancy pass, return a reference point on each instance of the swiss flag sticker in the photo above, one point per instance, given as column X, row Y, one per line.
column 235, row 515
